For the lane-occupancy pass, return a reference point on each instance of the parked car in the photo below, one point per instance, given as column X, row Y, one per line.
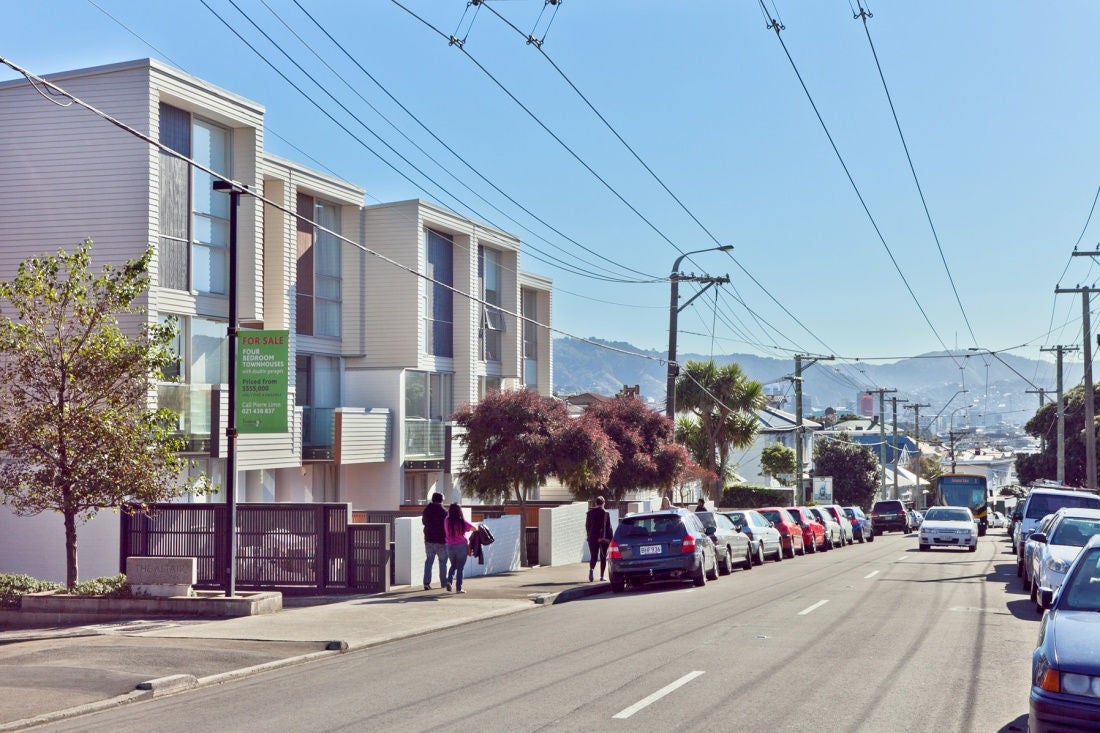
column 1057, row 548
column 790, row 533
column 847, row 534
column 813, row 531
column 890, row 515
column 833, row 537
column 731, row 545
column 1023, row 559
column 765, row 538
column 664, row 545
column 997, row 520
column 948, row 526
column 916, row 519
column 1041, row 502
column 862, row 526
column 1065, row 668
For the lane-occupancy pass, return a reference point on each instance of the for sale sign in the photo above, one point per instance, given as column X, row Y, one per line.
column 263, row 373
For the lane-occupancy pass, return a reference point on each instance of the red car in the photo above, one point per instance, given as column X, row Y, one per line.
column 813, row 532
column 791, row 537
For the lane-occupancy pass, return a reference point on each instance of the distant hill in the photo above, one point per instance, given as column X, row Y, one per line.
column 584, row 367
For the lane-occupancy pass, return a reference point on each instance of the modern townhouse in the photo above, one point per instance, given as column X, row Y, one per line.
column 381, row 355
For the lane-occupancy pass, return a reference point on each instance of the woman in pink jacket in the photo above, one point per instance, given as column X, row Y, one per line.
column 456, row 529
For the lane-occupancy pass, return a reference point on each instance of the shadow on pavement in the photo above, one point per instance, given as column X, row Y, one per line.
column 1014, row 726
column 1024, row 609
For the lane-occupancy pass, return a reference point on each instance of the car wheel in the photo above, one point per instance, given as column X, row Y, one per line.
column 758, row 558
column 803, row 545
column 812, row 549
column 790, row 554
column 727, row 563
column 973, row 548
column 924, row 547
column 617, row 584
column 828, row 542
column 1013, row 548
column 871, row 537
column 748, row 558
column 712, row 574
column 1033, row 590
column 700, row 577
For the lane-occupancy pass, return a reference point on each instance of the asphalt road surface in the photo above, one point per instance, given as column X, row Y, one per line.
column 873, row 637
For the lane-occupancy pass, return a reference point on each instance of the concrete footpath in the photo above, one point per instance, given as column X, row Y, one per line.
column 49, row 674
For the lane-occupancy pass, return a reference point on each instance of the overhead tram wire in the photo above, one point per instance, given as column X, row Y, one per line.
column 864, row 15
column 776, row 26
column 39, row 82
column 547, row 258
column 445, row 145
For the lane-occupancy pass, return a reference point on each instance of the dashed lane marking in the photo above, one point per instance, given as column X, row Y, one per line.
column 812, row 608
column 871, row 574
column 647, row 701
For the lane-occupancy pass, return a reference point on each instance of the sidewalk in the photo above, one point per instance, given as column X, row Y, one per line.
column 48, row 674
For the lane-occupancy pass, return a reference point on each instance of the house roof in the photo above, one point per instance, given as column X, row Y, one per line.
column 772, row 420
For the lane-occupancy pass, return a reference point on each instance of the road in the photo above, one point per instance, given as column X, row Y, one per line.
column 874, row 637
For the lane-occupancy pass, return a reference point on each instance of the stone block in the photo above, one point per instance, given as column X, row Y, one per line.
column 161, row 577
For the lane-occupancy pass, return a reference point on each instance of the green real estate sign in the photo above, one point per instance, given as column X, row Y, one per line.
column 263, row 364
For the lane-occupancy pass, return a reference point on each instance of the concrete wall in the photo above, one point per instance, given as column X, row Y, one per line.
column 408, row 550
column 35, row 546
column 562, row 538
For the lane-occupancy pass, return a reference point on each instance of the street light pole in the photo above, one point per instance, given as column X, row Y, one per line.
column 674, row 309
column 234, row 190
column 951, row 434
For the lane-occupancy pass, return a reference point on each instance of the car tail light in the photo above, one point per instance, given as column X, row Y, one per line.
column 855, row 522
column 688, row 546
column 613, row 551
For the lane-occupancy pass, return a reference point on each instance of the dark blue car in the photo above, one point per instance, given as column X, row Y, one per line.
column 1065, row 668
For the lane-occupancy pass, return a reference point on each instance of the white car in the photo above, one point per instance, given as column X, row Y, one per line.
column 1056, row 548
column 997, row 520
column 948, row 526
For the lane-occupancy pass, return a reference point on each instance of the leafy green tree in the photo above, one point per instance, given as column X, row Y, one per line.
column 512, row 446
column 1044, row 425
column 854, row 468
column 648, row 456
column 75, row 424
column 778, row 460
column 723, row 402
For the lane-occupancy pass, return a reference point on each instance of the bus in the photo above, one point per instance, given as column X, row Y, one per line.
column 961, row 489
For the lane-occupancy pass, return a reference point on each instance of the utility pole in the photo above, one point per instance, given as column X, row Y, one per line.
column 674, row 309
column 800, row 429
column 1090, row 410
column 915, row 407
column 1061, row 413
column 882, row 433
column 1042, row 401
column 894, row 401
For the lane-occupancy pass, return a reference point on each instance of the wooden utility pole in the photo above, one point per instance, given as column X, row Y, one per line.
column 894, row 401
column 882, row 433
column 799, row 428
column 915, row 407
column 1061, row 412
column 1042, row 401
column 1086, row 348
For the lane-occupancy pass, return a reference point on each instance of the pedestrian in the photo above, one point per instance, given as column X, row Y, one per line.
column 701, row 506
column 665, row 503
column 435, row 539
column 597, row 525
column 456, row 529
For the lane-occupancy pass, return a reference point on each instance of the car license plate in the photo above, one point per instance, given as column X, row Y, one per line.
column 649, row 550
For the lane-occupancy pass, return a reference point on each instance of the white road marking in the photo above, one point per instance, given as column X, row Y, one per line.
column 646, row 701
column 812, row 608
column 902, row 558
column 871, row 574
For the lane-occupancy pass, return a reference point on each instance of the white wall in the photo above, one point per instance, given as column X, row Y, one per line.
column 35, row 545
column 408, row 550
column 562, row 537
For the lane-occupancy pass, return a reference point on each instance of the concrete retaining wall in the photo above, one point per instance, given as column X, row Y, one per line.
column 562, row 538
column 408, row 550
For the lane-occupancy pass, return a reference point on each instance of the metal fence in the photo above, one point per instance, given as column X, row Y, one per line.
column 288, row 547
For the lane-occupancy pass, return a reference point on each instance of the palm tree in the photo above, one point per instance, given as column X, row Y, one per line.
column 723, row 401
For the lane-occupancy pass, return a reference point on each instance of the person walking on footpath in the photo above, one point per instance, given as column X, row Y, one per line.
column 701, row 506
column 457, row 529
column 435, row 540
column 597, row 525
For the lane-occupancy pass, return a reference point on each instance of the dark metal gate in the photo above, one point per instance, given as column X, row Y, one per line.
column 295, row 548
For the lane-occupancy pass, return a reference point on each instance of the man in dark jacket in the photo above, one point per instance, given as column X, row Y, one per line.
column 435, row 542
column 597, row 525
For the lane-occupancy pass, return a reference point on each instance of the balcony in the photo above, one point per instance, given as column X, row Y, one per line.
column 192, row 405
column 424, row 439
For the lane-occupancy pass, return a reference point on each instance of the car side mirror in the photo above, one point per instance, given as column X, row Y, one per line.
column 1046, row 597
column 1017, row 516
column 1040, row 537
column 710, row 529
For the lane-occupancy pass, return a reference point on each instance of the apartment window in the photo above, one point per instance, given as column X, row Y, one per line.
column 317, row 392
column 529, row 308
column 200, row 349
column 438, row 297
column 485, row 385
column 319, row 288
column 490, row 278
column 194, row 219
column 429, row 395
column 417, row 484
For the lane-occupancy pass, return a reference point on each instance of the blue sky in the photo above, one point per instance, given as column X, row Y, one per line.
column 997, row 102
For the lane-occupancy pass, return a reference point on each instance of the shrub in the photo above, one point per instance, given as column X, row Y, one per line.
column 115, row 586
column 749, row 497
column 14, row 587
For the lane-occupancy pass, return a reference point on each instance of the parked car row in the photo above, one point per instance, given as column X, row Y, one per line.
column 674, row 544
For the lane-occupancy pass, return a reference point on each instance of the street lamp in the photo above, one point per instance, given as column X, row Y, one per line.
column 674, row 309
column 951, row 433
column 945, row 405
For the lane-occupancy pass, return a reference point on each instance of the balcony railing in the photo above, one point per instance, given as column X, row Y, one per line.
column 192, row 404
column 318, row 432
column 424, row 439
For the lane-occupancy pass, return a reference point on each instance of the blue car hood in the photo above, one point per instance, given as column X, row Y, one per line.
column 1076, row 641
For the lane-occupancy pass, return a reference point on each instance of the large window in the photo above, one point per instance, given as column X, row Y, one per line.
column 491, row 277
column 438, row 297
column 529, row 308
column 200, row 348
column 429, row 402
column 319, row 285
column 317, row 392
column 194, row 219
